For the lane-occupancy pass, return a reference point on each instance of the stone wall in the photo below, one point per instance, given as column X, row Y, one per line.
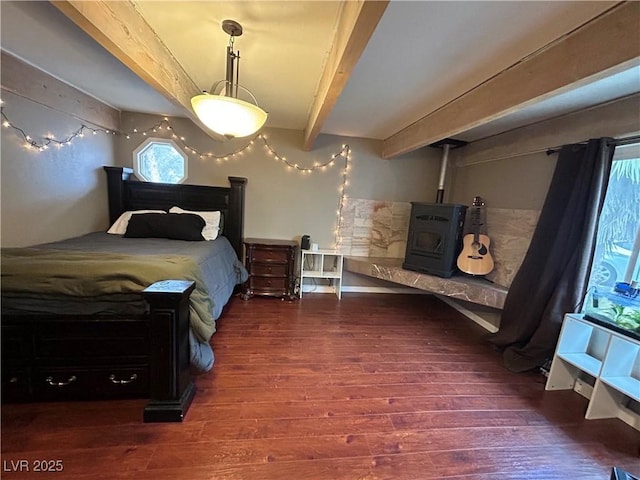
column 373, row 228
column 510, row 231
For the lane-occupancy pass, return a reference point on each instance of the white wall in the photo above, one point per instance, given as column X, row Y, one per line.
column 282, row 202
column 59, row 193
column 55, row 194
column 512, row 170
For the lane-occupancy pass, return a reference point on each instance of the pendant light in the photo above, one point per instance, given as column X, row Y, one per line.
column 224, row 112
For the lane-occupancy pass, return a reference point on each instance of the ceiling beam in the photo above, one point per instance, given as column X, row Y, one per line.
column 601, row 47
column 357, row 21
column 123, row 32
column 26, row 81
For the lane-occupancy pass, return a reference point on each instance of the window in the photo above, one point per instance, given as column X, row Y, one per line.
column 161, row 161
column 612, row 296
column 618, row 238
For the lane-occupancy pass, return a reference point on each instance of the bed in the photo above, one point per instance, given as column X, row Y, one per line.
column 104, row 316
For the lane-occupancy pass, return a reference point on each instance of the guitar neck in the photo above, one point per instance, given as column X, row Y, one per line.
column 477, row 222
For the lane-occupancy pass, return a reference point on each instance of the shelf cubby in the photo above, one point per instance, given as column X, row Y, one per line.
column 324, row 264
column 616, row 374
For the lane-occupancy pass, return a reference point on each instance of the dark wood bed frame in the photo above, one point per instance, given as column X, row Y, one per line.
column 70, row 357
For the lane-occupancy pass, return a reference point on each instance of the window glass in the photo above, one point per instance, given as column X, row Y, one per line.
column 160, row 160
column 618, row 237
column 613, row 297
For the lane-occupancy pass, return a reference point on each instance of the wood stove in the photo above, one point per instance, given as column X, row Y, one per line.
column 435, row 238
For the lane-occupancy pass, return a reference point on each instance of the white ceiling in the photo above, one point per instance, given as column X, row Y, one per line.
column 421, row 56
column 425, row 54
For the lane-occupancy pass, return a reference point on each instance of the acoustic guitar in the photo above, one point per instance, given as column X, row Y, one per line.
column 475, row 258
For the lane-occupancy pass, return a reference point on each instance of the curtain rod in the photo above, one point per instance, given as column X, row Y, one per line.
column 551, row 150
column 615, row 142
column 626, row 140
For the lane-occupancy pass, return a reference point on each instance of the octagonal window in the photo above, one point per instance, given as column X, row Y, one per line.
column 161, row 161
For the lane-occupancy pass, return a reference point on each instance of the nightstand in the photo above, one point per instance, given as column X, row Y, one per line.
column 271, row 266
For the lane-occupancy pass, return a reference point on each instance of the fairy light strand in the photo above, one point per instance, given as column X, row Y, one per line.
column 45, row 142
column 346, row 154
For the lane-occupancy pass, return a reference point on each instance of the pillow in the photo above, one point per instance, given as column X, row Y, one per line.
column 212, row 222
column 166, row 225
column 120, row 225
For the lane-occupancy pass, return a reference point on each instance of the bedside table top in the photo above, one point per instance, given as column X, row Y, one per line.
column 270, row 242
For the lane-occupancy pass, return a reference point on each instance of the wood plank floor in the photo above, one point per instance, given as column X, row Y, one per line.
column 371, row 387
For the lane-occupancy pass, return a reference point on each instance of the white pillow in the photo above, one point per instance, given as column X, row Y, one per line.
column 120, row 225
column 212, row 222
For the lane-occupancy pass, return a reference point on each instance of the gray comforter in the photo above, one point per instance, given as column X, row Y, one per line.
column 100, row 272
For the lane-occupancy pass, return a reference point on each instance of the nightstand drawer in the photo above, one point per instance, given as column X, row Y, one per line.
column 268, row 269
column 269, row 255
column 269, row 283
column 270, row 263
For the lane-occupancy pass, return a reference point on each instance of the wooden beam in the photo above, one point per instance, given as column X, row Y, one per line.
column 601, row 47
column 124, row 33
column 358, row 20
column 26, row 81
column 617, row 118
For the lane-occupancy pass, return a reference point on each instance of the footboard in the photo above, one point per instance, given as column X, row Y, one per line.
column 73, row 357
column 171, row 388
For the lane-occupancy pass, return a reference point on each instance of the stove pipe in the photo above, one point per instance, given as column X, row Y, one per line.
column 446, row 145
column 443, row 172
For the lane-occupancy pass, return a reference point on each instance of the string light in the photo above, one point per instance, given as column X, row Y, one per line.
column 345, row 153
column 44, row 143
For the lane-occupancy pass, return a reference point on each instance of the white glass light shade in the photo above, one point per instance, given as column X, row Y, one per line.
column 228, row 116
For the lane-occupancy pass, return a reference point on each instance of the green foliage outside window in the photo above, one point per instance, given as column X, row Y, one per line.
column 160, row 161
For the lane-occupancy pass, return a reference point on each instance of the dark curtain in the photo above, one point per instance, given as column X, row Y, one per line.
column 553, row 276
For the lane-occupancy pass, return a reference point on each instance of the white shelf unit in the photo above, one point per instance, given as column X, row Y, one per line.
column 616, row 368
column 325, row 264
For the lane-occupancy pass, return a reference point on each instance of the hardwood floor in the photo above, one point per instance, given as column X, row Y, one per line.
column 370, row 387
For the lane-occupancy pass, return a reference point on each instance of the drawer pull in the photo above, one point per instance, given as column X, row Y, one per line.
column 132, row 379
column 50, row 381
column 13, row 380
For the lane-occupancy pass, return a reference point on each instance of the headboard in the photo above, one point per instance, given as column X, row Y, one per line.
column 126, row 193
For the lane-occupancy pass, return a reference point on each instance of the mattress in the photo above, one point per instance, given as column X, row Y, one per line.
column 126, row 267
